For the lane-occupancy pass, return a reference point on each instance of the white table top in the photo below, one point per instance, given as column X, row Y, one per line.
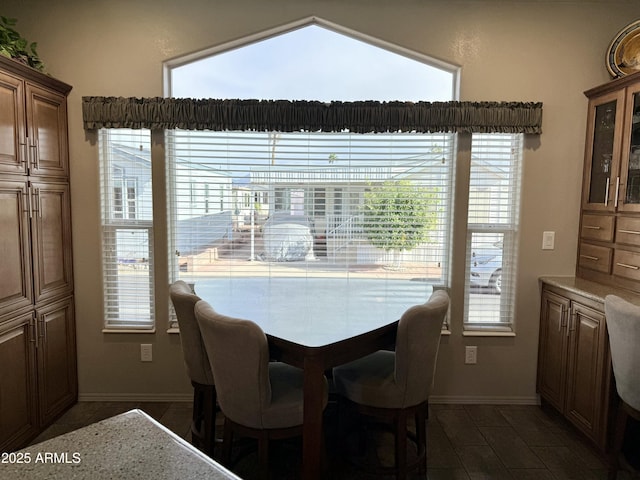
column 320, row 311
column 130, row 445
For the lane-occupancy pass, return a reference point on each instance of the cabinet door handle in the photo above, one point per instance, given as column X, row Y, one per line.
column 42, row 330
column 26, row 208
column 25, row 153
column 589, row 257
column 34, row 156
column 592, row 227
column 606, row 193
column 30, row 201
column 617, row 191
column 37, row 202
column 33, row 333
column 572, row 323
column 626, row 265
column 632, row 232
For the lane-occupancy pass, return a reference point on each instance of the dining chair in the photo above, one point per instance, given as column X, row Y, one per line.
column 198, row 367
column 258, row 398
column 395, row 385
column 623, row 325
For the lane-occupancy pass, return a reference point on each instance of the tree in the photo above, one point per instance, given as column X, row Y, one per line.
column 398, row 215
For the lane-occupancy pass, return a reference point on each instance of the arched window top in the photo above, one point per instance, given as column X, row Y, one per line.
column 322, row 78
column 311, row 59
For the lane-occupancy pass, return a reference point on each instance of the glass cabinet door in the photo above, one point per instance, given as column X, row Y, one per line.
column 631, row 154
column 605, row 119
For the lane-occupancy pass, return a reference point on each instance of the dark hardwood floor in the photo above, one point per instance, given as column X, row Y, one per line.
column 464, row 442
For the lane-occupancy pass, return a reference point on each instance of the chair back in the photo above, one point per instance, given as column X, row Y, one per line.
column 417, row 344
column 239, row 355
column 193, row 350
column 623, row 325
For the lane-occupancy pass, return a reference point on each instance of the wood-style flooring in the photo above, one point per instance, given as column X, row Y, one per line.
column 465, row 442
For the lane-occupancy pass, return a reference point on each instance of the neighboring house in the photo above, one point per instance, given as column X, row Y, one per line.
column 203, row 214
column 209, row 203
column 333, row 196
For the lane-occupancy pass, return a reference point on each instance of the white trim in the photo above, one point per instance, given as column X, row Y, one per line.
column 129, row 330
column 135, row 397
column 487, row 333
column 483, row 400
column 182, row 60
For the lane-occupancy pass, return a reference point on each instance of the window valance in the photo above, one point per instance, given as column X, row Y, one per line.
column 314, row 116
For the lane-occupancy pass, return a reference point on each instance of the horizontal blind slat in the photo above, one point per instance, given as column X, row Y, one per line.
column 127, row 229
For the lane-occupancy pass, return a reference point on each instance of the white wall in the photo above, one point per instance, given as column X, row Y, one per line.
column 537, row 50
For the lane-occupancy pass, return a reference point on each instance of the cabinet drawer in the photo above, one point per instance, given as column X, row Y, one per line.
column 626, row 264
column 597, row 227
column 595, row 257
column 628, row 231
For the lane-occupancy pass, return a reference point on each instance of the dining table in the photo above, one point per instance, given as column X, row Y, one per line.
column 315, row 325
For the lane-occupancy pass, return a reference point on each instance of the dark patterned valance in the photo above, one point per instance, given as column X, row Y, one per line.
column 313, row 116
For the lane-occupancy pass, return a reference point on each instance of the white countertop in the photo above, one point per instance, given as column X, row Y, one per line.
column 127, row 446
column 586, row 288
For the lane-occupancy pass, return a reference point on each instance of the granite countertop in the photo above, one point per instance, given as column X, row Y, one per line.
column 592, row 290
column 130, row 445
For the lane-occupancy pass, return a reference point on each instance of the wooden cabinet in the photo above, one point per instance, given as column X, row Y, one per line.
column 38, row 374
column 56, row 359
column 18, row 393
column 574, row 362
column 609, row 246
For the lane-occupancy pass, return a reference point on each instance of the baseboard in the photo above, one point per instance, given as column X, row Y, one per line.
column 135, row 397
column 483, row 400
column 185, row 397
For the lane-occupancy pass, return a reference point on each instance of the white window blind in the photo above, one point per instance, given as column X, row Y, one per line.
column 127, row 229
column 493, row 219
column 364, row 215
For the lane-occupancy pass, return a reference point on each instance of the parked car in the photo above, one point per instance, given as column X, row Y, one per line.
column 486, row 268
column 288, row 238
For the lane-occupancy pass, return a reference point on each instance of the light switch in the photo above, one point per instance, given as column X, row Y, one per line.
column 548, row 240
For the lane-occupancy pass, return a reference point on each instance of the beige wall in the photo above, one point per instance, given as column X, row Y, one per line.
column 549, row 51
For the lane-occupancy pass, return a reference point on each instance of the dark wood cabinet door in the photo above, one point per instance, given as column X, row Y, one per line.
column 51, row 240
column 585, row 369
column 552, row 353
column 18, row 412
column 57, row 371
column 16, row 291
column 13, row 142
column 47, row 132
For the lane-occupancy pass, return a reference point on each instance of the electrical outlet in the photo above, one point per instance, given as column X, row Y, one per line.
column 146, row 352
column 471, row 355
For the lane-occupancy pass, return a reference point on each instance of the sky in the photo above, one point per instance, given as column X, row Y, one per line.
column 312, row 63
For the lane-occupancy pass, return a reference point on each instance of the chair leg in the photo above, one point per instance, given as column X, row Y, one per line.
column 421, row 438
column 401, row 445
column 227, row 441
column 618, row 438
column 196, row 418
column 209, row 421
column 263, row 454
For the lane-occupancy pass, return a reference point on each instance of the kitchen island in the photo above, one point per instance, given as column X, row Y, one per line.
column 129, row 445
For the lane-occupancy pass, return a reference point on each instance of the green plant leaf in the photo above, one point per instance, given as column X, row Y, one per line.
column 13, row 45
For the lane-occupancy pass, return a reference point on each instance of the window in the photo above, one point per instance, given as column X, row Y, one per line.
column 127, row 229
column 124, row 198
column 324, row 205
column 493, row 219
column 365, row 208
